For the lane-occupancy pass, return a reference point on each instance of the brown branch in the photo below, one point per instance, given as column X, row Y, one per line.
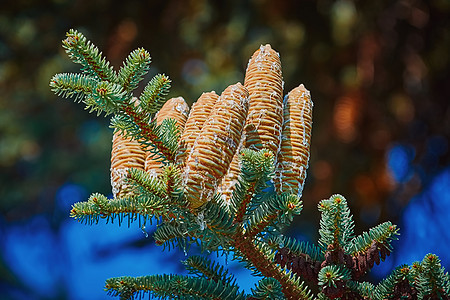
column 240, row 212
column 260, row 227
column 267, row 267
column 147, row 132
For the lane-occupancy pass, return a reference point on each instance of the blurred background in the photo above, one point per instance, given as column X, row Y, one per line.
column 378, row 72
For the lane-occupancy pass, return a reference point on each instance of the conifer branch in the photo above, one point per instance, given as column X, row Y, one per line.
column 278, row 210
column 267, row 268
column 172, row 183
column 173, row 233
column 133, row 208
column 183, row 196
column 382, row 234
column 217, row 219
column 267, row 288
column 83, row 52
column 432, row 281
column 67, row 85
column 153, row 96
column 336, row 224
column 296, row 247
column 147, row 132
column 106, row 97
column 142, row 182
column 333, row 279
column 257, row 168
column 133, row 70
column 203, row 267
column 171, row 286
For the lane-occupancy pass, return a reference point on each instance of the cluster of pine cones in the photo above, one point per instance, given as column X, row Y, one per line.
column 216, row 128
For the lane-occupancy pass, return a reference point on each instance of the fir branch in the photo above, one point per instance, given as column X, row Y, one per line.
column 292, row 289
column 169, row 134
column 172, row 183
column 67, row 85
column 171, row 286
column 83, row 52
column 336, row 224
column 268, row 289
column 257, row 168
column 131, row 208
column 217, row 219
column 364, row 289
column 153, row 96
column 106, row 97
column 210, row 226
column 160, row 139
column 432, row 281
column 398, row 285
column 166, row 186
column 383, row 234
column 369, row 248
column 300, row 264
column 278, row 210
column 175, row 233
column 133, row 70
column 296, row 247
column 203, row 267
column 143, row 182
column 333, row 280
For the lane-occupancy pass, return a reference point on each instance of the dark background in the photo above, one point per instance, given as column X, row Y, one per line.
column 378, row 72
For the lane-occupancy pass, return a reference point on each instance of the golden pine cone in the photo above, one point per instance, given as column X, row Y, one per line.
column 126, row 153
column 200, row 111
column 174, row 108
column 292, row 162
column 264, row 82
column 216, row 145
column 230, row 179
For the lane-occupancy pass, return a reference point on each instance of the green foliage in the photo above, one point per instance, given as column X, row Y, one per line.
column 134, row 68
column 171, row 286
column 257, row 169
column 432, row 280
column 68, row 85
column 278, row 211
column 250, row 226
column 332, row 276
column 382, row 234
column 153, row 96
column 296, row 247
column 104, row 91
column 83, row 52
column 132, row 208
column 268, row 288
column 336, row 224
column 203, row 267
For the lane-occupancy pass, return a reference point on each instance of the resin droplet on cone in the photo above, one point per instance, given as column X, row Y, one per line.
column 293, row 157
column 216, row 145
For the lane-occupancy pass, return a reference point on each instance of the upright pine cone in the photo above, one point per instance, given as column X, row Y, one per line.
column 264, row 82
column 216, row 145
column 126, row 153
column 200, row 111
column 292, row 162
column 174, row 108
column 230, row 179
